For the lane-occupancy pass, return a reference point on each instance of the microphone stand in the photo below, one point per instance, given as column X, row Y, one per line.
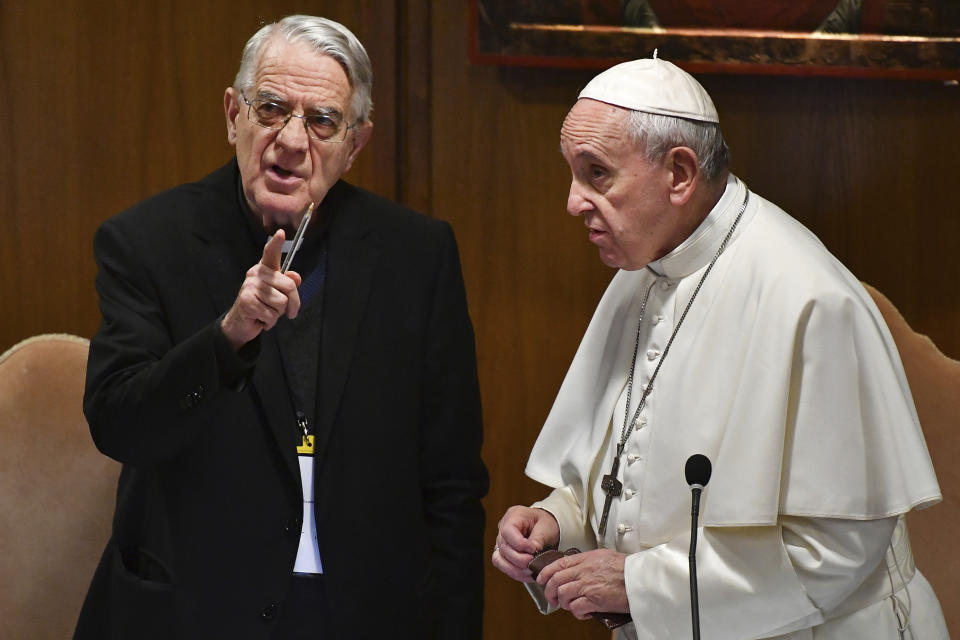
column 694, row 597
column 697, row 472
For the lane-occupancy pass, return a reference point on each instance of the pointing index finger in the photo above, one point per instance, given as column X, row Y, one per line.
column 273, row 250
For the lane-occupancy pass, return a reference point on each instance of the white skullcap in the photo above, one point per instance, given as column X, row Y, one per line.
column 653, row 86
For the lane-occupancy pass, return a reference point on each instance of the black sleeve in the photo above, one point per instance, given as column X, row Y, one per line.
column 146, row 397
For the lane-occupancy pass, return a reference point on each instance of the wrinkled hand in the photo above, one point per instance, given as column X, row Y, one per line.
column 587, row 582
column 522, row 532
column 266, row 294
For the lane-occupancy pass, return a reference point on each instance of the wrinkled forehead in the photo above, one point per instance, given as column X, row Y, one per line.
column 593, row 122
column 296, row 70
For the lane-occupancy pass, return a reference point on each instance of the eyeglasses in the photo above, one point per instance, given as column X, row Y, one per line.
column 326, row 126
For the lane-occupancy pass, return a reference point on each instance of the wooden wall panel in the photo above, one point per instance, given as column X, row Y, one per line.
column 532, row 278
column 106, row 103
column 867, row 165
column 414, row 141
column 110, row 102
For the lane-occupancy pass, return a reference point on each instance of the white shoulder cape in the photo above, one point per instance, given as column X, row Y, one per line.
column 783, row 374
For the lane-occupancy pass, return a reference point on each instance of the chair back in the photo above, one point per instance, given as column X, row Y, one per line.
column 57, row 491
column 935, row 385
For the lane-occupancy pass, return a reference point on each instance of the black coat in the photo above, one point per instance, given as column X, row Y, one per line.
column 209, row 501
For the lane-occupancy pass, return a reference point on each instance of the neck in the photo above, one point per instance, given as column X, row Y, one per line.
column 704, row 199
column 695, row 211
column 712, row 192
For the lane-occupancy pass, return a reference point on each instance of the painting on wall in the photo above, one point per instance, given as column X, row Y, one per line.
column 865, row 38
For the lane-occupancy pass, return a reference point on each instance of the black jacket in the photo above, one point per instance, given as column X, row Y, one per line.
column 209, row 500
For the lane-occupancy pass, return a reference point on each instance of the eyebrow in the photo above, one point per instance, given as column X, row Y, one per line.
column 586, row 154
column 327, row 111
column 272, row 97
column 319, row 111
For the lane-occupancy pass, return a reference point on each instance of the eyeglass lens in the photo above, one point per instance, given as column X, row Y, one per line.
column 322, row 126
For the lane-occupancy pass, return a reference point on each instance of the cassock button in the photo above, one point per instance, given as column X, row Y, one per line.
column 622, row 528
column 269, row 611
column 653, row 354
column 628, row 493
column 632, row 458
column 666, row 284
column 192, row 398
column 640, row 422
column 657, row 319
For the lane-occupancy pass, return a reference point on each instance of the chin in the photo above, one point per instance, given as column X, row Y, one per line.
column 614, row 262
column 280, row 211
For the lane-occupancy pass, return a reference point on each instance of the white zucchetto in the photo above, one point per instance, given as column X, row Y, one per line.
column 653, row 86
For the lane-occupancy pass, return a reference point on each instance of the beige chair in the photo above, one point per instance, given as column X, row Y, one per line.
column 56, row 490
column 935, row 384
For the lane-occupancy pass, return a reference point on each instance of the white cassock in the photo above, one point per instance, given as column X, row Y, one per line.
column 783, row 374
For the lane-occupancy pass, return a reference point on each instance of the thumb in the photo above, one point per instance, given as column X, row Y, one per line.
column 545, row 532
column 273, row 250
column 538, row 539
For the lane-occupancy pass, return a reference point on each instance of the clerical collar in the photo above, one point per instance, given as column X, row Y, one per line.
column 696, row 251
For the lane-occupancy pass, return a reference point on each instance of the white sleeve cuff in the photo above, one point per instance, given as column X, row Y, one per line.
column 574, row 532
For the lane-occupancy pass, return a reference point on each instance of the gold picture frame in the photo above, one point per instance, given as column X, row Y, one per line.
column 925, row 44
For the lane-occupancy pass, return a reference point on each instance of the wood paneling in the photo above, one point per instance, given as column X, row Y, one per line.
column 110, row 102
column 532, row 279
column 870, row 167
column 414, row 141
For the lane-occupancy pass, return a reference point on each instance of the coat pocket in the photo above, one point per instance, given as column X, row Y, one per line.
column 142, row 598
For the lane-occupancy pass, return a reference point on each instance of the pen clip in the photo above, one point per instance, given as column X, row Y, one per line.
column 297, row 238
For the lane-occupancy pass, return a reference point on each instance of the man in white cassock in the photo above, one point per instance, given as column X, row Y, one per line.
column 729, row 330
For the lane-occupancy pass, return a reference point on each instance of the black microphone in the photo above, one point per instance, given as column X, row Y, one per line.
column 697, row 471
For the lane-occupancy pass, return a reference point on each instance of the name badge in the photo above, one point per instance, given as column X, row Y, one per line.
column 308, row 553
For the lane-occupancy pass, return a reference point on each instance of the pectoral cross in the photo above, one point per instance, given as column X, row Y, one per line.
column 612, row 487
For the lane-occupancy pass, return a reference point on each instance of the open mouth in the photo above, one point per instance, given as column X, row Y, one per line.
column 280, row 171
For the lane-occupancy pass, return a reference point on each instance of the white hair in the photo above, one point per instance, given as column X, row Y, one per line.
column 328, row 38
column 657, row 134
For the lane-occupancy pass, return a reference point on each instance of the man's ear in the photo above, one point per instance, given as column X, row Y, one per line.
column 231, row 109
column 361, row 135
column 685, row 175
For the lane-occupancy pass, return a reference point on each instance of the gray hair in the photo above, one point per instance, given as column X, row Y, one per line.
column 657, row 134
column 329, row 38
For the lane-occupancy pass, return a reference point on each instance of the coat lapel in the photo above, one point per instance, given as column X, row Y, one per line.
column 352, row 261
column 225, row 254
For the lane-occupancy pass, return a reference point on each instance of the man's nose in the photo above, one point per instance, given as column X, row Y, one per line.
column 576, row 204
column 293, row 135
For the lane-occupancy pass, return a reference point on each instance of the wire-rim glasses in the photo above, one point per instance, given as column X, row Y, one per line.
column 325, row 125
